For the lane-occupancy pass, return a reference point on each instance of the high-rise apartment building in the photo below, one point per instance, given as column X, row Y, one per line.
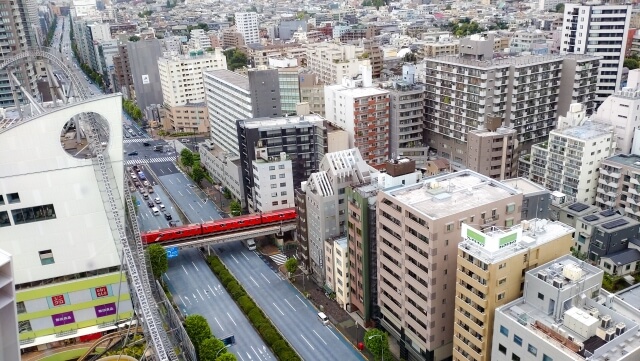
column 301, row 138
column 247, row 25
column 619, row 184
column 123, row 82
column 231, row 97
column 565, row 315
column 312, row 92
column 525, row 92
column 569, row 161
column 333, row 61
column 598, row 30
column 492, row 153
column 363, row 111
column 9, row 344
column 51, row 202
column 490, row 273
column 418, row 231
column 144, row 64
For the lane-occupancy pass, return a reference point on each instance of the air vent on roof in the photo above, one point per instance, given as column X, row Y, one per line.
column 605, row 322
column 557, row 283
column 620, row 328
column 610, row 334
column 543, row 275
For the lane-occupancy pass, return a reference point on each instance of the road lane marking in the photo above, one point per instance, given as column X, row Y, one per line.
column 202, row 219
column 314, row 331
column 234, row 322
column 181, row 195
column 194, row 297
column 287, row 301
column 241, row 358
column 197, row 290
column 254, row 281
column 187, row 297
column 235, row 259
column 161, row 170
column 181, row 300
column 305, row 305
column 307, row 342
column 187, row 191
column 194, row 265
column 245, row 256
column 210, row 289
column 215, row 318
column 265, row 277
column 212, row 218
column 166, row 275
column 185, row 270
column 254, row 351
column 178, row 179
column 200, row 205
column 170, row 181
column 191, row 207
column 278, row 308
column 336, row 336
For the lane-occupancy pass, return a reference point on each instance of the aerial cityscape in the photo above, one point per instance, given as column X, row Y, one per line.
column 209, row 180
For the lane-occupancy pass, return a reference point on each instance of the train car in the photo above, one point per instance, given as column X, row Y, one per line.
column 227, row 224
column 168, row 234
column 278, row 216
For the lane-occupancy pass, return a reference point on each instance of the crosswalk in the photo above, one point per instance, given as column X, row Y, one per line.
column 147, row 161
column 136, row 140
column 279, row 258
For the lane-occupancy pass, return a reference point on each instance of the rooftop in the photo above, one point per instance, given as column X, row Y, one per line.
column 444, row 195
column 229, row 77
column 609, row 221
column 497, row 63
column 629, row 160
column 531, row 234
column 357, row 92
column 525, row 185
column 588, row 130
column 281, row 121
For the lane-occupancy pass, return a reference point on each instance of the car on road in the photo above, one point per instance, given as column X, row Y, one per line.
column 150, row 204
column 157, row 200
column 146, row 144
column 127, row 135
column 167, row 216
column 141, row 134
column 135, row 152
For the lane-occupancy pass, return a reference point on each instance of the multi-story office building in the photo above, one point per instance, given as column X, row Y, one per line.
column 569, row 161
column 333, row 61
column 418, row 231
column 16, row 35
column 361, row 235
column 289, row 89
column 490, row 273
column 9, row 343
column 144, row 64
column 619, row 184
column 598, row 30
column 301, row 138
column 312, row 92
column 326, row 207
column 527, row 93
column 363, row 111
column 231, row 96
column 231, row 39
column 492, row 153
column 51, row 203
column 406, row 118
column 247, row 25
column 565, row 315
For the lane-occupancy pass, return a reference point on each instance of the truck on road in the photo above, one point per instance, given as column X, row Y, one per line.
column 250, row 244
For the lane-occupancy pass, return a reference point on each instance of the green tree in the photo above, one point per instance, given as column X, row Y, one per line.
column 235, row 207
column 227, row 193
column 209, row 348
column 560, row 8
column 236, row 59
column 377, row 342
column 227, row 357
column 197, row 329
column 631, row 63
column 186, row 157
column 197, row 173
column 291, row 265
column 158, row 259
column 410, row 57
column 134, row 38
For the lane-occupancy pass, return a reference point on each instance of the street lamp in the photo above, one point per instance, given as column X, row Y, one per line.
column 381, row 346
column 225, row 346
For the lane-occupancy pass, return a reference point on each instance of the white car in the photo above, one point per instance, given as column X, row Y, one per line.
column 157, row 200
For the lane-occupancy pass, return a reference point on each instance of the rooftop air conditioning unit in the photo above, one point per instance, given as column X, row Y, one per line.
column 605, row 322
column 543, row 275
column 610, row 335
column 557, row 283
column 620, row 328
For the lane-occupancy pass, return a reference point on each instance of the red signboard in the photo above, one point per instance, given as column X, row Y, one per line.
column 57, row 300
column 102, row 291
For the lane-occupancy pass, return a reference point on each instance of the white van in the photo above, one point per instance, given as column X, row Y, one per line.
column 323, row 318
column 156, row 211
column 162, row 207
column 250, row 244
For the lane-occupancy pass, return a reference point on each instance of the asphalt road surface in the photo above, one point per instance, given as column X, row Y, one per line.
column 191, row 200
column 292, row 314
column 196, row 290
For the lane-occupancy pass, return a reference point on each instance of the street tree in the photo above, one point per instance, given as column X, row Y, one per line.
column 227, row 357
column 197, row 329
column 292, row 265
column 210, row 348
column 560, row 8
column 377, row 342
column 197, row 173
column 186, row 157
column 158, row 259
column 235, row 207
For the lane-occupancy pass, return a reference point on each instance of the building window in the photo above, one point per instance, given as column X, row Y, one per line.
column 515, row 357
column 4, row 219
column 274, row 203
column 511, row 207
column 504, row 331
column 546, row 358
column 273, row 176
column 540, row 296
column 449, row 227
column 272, row 167
column 274, row 194
column 13, row 198
column 281, row 166
column 284, row 202
column 283, row 184
column 501, row 296
column 517, row 340
column 502, row 281
column 46, row 257
column 502, row 349
column 283, row 193
column 282, row 175
column 21, row 308
column 24, row 326
column 274, row 185
column 532, row 350
column 33, row 214
column 1, row 200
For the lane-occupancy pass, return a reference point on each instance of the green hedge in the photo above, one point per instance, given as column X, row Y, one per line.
column 260, row 322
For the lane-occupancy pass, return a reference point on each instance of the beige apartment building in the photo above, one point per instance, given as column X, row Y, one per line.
column 333, row 61
column 191, row 117
column 490, row 273
column 492, row 153
column 418, row 231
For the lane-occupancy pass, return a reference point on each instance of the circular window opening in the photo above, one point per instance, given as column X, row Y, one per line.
column 77, row 134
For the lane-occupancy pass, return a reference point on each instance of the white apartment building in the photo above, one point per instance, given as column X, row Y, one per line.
column 247, row 26
column 199, row 40
column 100, row 31
column 341, row 272
column 272, row 181
column 565, row 315
column 173, row 44
column 569, row 161
column 621, row 110
column 333, row 61
column 181, row 75
column 599, row 30
column 9, row 344
column 549, row 4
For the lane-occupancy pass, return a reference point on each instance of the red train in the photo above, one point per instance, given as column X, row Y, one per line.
column 218, row 226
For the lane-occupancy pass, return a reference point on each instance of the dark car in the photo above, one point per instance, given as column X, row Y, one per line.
column 150, row 204
column 141, row 134
column 135, row 152
column 167, row 216
column 146, row 144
